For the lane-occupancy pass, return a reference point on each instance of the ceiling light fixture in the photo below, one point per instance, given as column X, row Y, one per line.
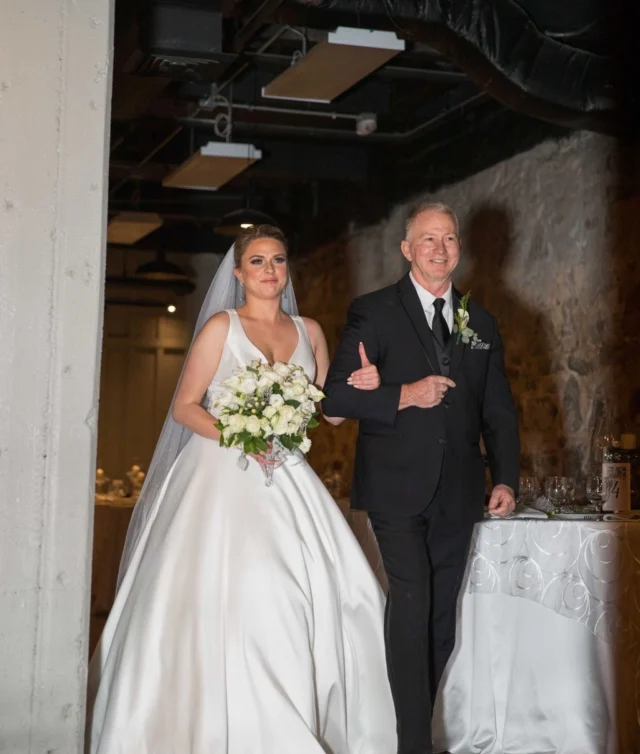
column 128, row 227
column 213, row 165
column 160, row 269
column 331, row 67
column 171, row 308
column 240, row 219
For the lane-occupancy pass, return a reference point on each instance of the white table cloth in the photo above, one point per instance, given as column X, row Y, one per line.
column 548, row 644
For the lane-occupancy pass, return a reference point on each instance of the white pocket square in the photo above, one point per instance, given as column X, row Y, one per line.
column 479, row 345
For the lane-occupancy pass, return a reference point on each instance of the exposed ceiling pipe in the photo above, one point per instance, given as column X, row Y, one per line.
column 500, row 48
column 468, row 102
column 244, row 36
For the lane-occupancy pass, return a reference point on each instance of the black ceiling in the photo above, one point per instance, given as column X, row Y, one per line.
column 476, row 82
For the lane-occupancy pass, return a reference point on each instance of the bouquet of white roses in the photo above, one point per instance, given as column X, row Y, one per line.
column 266, row 409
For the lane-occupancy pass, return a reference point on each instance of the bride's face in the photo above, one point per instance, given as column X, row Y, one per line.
column 264, row 270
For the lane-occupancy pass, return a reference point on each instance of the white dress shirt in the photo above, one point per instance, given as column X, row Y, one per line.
column 427, row 299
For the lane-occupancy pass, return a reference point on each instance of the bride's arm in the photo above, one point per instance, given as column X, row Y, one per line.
column 201, row 365
column 321, row 353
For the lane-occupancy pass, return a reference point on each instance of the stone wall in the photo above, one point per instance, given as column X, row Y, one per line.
column 551, row 250
column 324, row 290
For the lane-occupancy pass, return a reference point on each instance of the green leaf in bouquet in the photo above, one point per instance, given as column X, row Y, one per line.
column 286, row 441
column 261, row 445
column 313, row 423
column 253, row 369
column 292, row 402
column 275, row 388
column 296, row 439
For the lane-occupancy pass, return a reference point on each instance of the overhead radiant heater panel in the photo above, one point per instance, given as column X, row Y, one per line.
column 332, row 67
column 128, row 227
column 213, row 165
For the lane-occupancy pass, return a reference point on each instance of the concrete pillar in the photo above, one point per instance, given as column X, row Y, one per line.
column 55, row 81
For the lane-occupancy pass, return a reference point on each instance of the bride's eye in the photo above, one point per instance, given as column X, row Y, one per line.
column 280, row 260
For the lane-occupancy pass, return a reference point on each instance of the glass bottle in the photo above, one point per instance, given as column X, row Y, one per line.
column 616, row 465
column 628, row 441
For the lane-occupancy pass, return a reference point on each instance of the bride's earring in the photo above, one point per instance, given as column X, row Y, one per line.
column 242, row 296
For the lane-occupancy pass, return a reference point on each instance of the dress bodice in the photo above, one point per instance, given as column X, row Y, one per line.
column 239, row 351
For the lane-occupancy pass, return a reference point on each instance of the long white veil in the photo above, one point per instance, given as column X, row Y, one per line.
column 224, row 293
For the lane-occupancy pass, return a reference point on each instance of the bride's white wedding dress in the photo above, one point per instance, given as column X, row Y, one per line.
column 249, row 621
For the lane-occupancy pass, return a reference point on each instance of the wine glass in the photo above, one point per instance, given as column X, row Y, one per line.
column 597, row 490
column 556, row 490
column 570, row 490
column 528, row 489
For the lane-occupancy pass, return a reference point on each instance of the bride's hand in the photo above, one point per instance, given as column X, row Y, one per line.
column 367, row 377
column 260, row 459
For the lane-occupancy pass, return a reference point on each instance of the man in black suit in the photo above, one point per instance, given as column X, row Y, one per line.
column 419, row 471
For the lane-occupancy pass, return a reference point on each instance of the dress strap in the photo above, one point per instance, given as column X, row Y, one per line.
column 302, row 329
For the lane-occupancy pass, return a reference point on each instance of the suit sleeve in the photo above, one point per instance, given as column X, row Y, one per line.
column 500, row 420
column 379, row 405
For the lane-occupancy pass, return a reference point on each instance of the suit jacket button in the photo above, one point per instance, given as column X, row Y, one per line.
column 445, row 404
column 441, row 440
column 446, row 360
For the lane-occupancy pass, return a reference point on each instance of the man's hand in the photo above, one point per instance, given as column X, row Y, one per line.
column 502, row 501
column 367, row 377
column 425, row 393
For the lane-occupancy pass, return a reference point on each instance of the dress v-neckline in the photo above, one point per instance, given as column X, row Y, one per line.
column 255, row 347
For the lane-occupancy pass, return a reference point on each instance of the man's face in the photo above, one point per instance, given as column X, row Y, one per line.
column 433, row 248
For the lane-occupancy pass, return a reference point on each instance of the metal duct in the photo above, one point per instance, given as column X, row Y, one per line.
column 501, row 49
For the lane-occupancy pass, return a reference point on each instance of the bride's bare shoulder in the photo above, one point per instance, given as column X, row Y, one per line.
column 313, row 329
column 217, row 326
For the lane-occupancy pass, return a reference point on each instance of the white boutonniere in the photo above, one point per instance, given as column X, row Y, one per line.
column 461, row 326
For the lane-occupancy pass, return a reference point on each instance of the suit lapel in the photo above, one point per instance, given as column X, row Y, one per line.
column 410, row 301
column 457, row 349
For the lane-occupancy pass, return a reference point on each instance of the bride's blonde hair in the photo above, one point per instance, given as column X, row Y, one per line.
column 255, row 232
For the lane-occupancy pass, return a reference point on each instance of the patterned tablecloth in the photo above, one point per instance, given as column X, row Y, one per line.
column 548, row 650
column 585, row 571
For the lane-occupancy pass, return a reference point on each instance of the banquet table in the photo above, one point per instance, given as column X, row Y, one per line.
column 547, row 656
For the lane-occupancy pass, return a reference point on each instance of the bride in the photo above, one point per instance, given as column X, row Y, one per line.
column 247, row 620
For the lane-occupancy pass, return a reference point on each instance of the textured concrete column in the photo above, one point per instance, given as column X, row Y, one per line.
column 55, row 59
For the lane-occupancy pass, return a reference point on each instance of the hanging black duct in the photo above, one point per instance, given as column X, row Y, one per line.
column 544, row 58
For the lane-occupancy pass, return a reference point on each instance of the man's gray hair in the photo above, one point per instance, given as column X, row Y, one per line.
column 426, row 206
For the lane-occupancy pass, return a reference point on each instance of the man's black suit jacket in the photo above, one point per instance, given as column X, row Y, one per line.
column 402, row 457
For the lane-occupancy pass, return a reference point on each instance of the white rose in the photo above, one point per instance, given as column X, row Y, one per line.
column 463, row 318
column 265, row 382
column 270, row 412
column 269, row 373
column 287, row 412
column 253, row 425
column 281, row 369
column 294, row 424
column 288, row 394
column 308, row 407
column 233, row 382
column 223, row 400
column 276, row 400
column 315, row 394
column 281, row 427
column 227, row 432
column 248, row 386
column 237, row 423
column 305, row 445
column 265, row 426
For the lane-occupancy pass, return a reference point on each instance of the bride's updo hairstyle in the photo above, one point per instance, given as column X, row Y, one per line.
column 254, row 233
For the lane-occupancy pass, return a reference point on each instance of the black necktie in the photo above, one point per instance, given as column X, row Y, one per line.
column 439, row 325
